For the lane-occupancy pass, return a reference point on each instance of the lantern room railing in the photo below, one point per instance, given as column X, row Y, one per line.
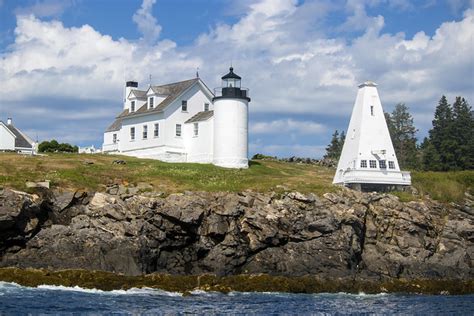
column 232, row 92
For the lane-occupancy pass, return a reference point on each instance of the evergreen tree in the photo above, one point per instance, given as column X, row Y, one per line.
column 402, row 132
column 342, row 138
column 429, row 156
column 333, row 150
column 462, row 132
column 440, row 137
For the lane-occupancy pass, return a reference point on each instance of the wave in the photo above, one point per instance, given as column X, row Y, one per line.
column 6, row 286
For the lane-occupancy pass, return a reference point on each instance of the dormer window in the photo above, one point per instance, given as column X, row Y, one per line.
column 184, row 106
column 150, row 102
column 132, row 106
column 206, row 107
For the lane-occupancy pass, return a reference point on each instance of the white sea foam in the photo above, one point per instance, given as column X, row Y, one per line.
column 132, row 291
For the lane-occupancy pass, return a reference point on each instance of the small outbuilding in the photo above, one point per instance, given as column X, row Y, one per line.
column 12, row 139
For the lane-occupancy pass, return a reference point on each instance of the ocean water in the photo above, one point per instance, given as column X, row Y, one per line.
column 16, row 299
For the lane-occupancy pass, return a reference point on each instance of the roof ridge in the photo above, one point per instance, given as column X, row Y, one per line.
column 174, row 83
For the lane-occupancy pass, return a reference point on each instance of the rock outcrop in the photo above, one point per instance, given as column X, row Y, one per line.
column 346, row 234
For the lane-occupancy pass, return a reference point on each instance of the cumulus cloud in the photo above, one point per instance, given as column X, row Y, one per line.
column 146, row 22
column 282, row 49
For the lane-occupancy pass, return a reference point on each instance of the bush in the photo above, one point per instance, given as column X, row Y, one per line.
column 54, row 147
column 262, row 156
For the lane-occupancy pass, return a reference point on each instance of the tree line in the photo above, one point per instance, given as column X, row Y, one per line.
column 54, row 146
column 449, row 145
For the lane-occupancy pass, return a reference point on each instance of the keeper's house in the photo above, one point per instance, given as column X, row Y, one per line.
column 183, row 122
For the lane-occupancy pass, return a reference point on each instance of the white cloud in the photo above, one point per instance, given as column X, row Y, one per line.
column 44, row 8
column 146, row 22
column 280, row 48
column 287, row 126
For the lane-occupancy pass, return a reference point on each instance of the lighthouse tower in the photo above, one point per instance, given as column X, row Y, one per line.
column 231, row 123
column 368, row 160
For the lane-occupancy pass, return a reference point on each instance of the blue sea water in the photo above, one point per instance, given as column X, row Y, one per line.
column 16, row 299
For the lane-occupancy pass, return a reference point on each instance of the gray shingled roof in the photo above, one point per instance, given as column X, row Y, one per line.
column 21, row 140
column 115, row 126
column 172, row 91
column 200, row 116
column 139, row 94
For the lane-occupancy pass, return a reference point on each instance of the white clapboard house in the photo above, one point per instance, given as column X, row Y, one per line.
column 183, row 122
column 12, row 139
column 368, row 160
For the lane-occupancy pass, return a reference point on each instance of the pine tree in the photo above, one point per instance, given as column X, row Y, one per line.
column 441, row 137
column 342, row 139
column 333, row 150
column 402, row 132
column 429, row 156
column 462, row 131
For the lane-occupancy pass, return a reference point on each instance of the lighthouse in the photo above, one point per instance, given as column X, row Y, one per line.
column 231, row 123
column 368, row 160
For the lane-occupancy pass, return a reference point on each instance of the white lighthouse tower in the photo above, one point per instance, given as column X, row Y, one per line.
column 231, row 123
column 368, row 160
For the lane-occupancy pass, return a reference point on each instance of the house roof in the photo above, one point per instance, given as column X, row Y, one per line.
column 115, row 126
column 201, row 116
column 139, row 94
column 171, row 91
column 21, row 140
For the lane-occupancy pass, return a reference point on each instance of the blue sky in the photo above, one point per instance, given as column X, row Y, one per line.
column 63, row 63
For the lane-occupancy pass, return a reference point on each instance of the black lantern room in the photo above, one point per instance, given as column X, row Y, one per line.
column 231, row 87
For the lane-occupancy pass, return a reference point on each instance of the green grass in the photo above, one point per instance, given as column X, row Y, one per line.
column 444, row 186
column 70, row 171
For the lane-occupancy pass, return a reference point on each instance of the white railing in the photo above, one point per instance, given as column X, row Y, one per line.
column 377, row 176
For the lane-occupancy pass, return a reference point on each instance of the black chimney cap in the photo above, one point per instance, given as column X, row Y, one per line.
column 132, row 84
column 231, row 75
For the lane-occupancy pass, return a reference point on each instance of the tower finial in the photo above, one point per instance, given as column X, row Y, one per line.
column 149, row 79
column 197, row 72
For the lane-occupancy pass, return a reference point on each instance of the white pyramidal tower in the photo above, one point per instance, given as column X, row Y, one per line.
column 368, row 160
column 231, row 123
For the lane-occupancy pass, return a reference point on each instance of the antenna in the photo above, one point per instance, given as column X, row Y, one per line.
column 150, row 79
column 197, row 72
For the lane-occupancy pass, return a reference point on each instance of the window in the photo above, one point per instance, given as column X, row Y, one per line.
column 206, row 107
column 150, row 102
column 132, row 106
column 156, row 132
column 145, row 131
column 114, row 138
column 363, row 163
column 391, row 165
column 178, row 130
column 196, row 129
column 383, row 164
column 132, row 133
column 184, row 106
column 373, row 164
column 372, row 110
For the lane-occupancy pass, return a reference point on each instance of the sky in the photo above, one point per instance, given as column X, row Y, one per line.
column 63, row 63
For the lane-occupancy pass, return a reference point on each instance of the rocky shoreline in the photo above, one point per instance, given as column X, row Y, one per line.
column 345, row 241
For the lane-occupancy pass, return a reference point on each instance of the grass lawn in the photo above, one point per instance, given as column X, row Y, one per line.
column 71, row 171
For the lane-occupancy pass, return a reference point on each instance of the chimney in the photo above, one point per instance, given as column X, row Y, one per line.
column 129, row 86
column 9, row 121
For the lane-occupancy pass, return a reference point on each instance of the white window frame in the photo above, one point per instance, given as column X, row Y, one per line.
column 132, row 133
column 145, row 131
column 372, row 110
column 196, row 129
column 391, row 164
column 114, row 138
column 156, row 131
column 184, row 105
column 363, row 163
column 206, row 107
column 132, row 106
column 383, row 164
column 373, row 164
column 151, row 102
column 178, row 131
